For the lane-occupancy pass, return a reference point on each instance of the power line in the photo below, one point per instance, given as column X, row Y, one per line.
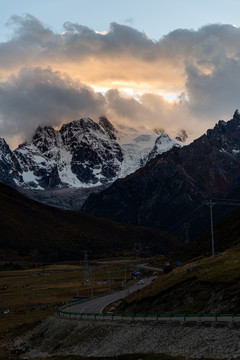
column 223, row 199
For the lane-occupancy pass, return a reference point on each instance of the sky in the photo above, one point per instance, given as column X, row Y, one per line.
column 168, row 64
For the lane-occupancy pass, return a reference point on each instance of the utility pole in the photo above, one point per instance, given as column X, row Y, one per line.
column 211, row 204
column 91, row 280
column 85, row 266
column 109, row 281
column 137, row 249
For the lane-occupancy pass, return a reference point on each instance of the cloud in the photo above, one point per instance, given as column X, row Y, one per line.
column 129, row 21
column 43, row 97
column 214, row 95
column 48, row 78
column 122, row 55
column 153, row 111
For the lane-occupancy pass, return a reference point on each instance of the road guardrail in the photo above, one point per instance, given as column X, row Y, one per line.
column 199, row 317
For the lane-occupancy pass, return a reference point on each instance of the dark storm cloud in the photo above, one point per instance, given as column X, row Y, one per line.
column 43, row 97
column 214, row 95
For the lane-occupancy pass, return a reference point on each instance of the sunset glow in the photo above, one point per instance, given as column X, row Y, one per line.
column 178, row 81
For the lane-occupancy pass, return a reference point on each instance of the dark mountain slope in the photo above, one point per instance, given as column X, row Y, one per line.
column 226, row 236
column 35, row 231
column 176, row 183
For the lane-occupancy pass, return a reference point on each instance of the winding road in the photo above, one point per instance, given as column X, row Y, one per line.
column 98, row 304
column 92, row 309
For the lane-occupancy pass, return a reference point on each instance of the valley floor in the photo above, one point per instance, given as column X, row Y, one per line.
column 59, row 337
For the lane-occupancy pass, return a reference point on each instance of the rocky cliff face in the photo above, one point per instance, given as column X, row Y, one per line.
column 81, row 154
column 176, row 183
column 10, row 170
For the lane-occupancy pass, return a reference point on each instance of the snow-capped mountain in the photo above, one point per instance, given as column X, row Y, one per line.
column 138, row 143
column 9, row 166
column 173, row 188
column 162, row 144
column 82, row 154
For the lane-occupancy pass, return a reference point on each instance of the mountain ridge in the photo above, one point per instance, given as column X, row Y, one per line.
column 177, row 182
column 82, row 154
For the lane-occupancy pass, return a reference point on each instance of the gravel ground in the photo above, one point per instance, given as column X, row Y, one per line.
column 57, row 336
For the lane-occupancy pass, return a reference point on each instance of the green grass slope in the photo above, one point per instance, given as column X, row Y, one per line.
column 32, row 230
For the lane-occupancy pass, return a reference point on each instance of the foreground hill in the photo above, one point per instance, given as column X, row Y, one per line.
column 174, row 185
column 202, row 284
column 34, row 231
column 209, row 285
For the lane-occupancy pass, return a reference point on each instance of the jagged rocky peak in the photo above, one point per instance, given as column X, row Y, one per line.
column 224, row 131
column 83, row 124
column 236, row 115
column 158, row 131
column 10, row 170
column 162, row 144
column 83, row 153
column 4, row 148
column 84, row 129
column 95, row 157
column 48, row 130
column 46, row 138
column 182, row 136
column 108, row 127
column 165, row 143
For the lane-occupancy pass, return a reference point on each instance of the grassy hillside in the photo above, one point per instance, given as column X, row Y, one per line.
column 34, row 231
column 202, row 283
column 206, row 285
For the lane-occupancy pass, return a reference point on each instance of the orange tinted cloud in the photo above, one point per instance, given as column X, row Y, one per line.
column 49, row 78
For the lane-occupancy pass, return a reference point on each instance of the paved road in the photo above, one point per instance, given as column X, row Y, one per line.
column 95, row 306
column 145, row 266
column 98, row 304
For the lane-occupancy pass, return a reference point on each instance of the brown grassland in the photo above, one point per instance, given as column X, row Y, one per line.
column 31, row 295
